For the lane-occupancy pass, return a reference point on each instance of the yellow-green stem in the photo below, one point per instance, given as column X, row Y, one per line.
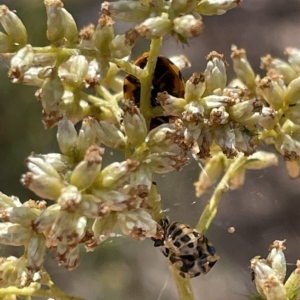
column 34, row 290
column 184, row 287
column 211, row 208
column 146, row 82
column 154, row 202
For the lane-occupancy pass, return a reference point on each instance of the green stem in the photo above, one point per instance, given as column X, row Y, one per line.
column 146, row 81
column 34, row 290
column 154, row 202
column 184, row 287
column 211, row 208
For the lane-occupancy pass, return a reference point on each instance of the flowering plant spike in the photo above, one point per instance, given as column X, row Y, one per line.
column 158, row 121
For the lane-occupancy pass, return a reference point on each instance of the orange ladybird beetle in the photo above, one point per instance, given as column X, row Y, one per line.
column 167, row 77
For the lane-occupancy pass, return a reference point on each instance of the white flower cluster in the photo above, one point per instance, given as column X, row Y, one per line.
column 269, row 275
column 78, row 80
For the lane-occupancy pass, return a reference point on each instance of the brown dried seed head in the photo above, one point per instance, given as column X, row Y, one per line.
column 94, row 154
column 197, row 77
column 105, row 20
column 214, row 54
column 86, row 32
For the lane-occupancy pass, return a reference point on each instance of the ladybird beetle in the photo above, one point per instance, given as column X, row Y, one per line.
column 190, row 252
column 167, row 77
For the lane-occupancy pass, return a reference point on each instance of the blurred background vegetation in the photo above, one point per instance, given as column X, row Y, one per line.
column 266, row 208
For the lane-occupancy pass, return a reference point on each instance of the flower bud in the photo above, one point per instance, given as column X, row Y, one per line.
column 180, row 61
column 39, row 166
column 268, row 62
column 142, row 176
column 137, row 223
column 68, row 256
column 155, row 27
column 293, row 55
column 242, row 67
column 194, row 113
column 52, row 92
column 216, row 7
column 20, row 63
column 31, row 77
column 115, row 200
column 218, row 116
column 36, row 252
column 292, row 285
column 194, row 87
column 68, row 228
column 93, row 207
column 165, row 162
column 225, row 138
column 273, row 91
column 69, row 198
column 292, row 94
column 268, row 118
column 14, row 234
column 59, row 162
column 102, row 229
column 164, row 138
column 13, row 26
column 194, row 121
column 245, row 112
column 46, row 219
column 66, row 137
column 103, row 35
column 71, row 33
column 121, row 45
column 87, row 170
column 277, row 259
column 204, row 142
column 14, row 273
column 131, row 11
column 215, row 101
column 69, row 74
column 260, row 160
column 6, row 201
column 246, row 141
column 110, row 135
column 188, row 26
column 86, row 36
column 43, row 178
column 293, row 113
column 47, row 59
column 72, row 106
column 88, row 134
column 134, row 124
column 209, row 175
column 6, row 43
column 116, row 172
column 287, row 146
column 215, row 72
column 293, row 168
column 266, row 280
column 92, row 77
column 78, row 67
column 183, row 6
column 43, row 185
column 172, row 105
column 20, row 215
column 60, row 23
